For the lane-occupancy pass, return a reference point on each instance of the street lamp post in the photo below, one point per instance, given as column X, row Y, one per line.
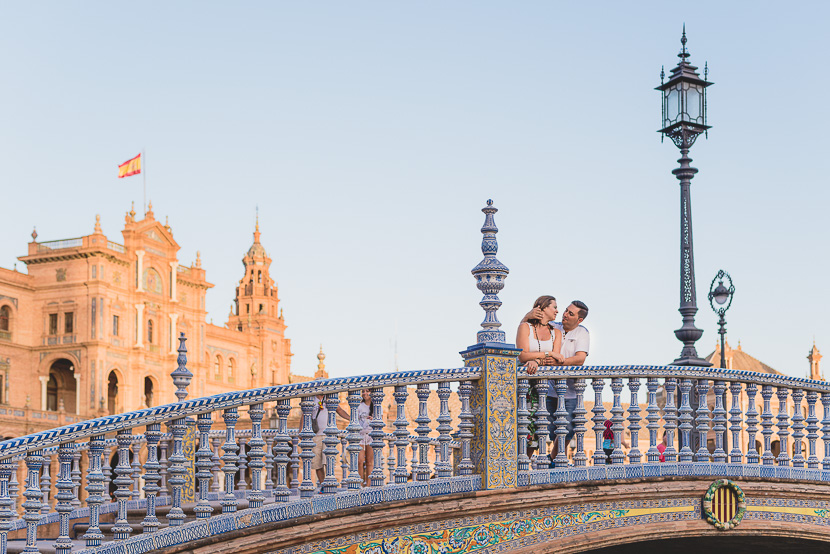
column 722, row 296
column 684, row 118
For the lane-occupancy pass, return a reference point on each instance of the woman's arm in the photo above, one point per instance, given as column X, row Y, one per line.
column 557, row 346
column 526, row 357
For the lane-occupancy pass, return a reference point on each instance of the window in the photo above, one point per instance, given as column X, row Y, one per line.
column 69, row 322
column 4, row 318
column 247, row 308
column 259, row 277
column 95, row 272
column 53, row 324
column 115, row 326
column 217, row 367
column 149, row 331
column 231, row 369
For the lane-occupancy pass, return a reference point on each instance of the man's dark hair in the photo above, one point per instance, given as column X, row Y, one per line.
column 583, row 308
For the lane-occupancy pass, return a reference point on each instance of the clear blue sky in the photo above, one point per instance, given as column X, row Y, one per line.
column 370, row 134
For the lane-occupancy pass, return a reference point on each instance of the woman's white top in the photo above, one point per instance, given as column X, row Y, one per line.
column 535, row 345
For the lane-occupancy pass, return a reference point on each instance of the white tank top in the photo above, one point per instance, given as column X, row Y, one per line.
column 539, row 345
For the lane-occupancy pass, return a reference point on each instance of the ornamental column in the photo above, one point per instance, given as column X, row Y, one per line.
column 43, row 380
column 493, row 399
column 173, row 318
column 77, row 391
column 174, row 268
column 139, row 270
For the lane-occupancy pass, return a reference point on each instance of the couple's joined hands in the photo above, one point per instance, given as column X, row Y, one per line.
column 551, row 358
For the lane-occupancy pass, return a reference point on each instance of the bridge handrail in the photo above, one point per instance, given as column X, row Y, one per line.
column 168, row 412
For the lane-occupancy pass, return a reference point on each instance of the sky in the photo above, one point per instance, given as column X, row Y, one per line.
column 370, row 135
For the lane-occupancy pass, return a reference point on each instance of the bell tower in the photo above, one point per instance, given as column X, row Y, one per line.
column 256, row 299
column 814, row 357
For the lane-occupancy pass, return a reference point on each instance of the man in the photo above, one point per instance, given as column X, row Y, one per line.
column 576, row 342
column 319, row 421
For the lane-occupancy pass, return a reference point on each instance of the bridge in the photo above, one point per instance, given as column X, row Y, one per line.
column 233, row 472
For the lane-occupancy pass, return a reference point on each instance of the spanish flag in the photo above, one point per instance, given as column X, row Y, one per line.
column 130, row 167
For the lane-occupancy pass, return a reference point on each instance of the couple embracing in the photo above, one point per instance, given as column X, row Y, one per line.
column 545, row 342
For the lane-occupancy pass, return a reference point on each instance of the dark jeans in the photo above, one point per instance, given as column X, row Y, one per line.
column 552, row 404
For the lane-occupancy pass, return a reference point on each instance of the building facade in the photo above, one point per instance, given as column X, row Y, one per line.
column 91, row 328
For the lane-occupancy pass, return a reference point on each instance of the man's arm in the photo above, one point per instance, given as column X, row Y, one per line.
column 577, row 359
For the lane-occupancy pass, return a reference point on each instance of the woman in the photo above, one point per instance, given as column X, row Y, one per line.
column 365, row 460
column 539, row 341
column 540, row 344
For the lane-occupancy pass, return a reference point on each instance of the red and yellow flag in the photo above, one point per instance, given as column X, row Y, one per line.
column 130, row 167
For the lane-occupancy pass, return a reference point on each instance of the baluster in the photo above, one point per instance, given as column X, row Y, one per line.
column 64, row 497
column 122, row 529
column 307, row 405
column 178, row 427
column 256, row 497
column 401, row 433
column 330, row 443
column 579, row 421
column 75, row 476
column 152, row 477
column 703, row 418
column 670, row 417
column 766, row 424
column 634, row 455
column 798, row 428
column 95, row 490
column 825, row 429
column 421, row 471
column 376, row 424
column 282, row 449
column 46, row 483
column 214, row 460
column 136, row 469
column 617, row 456
column 783, row 427
column 352, row 480
column 229, row 459
column 106, row 469
column 295, row 462
column 6, row 502
column 414, row 460
column 653, row 418
column 204, row 465
column 812, row 429
column 735, row 455
column 465, row 427
column 164, row 463
column 752, row 456
column 269, row 462
column 33, row 494
column 522, row 430
column 542, row 424
column 14, row 488
column 443, row 467
column 598, row 419
column 561, row 429
column 719, row 426
column 242, row 465
column 685, row 421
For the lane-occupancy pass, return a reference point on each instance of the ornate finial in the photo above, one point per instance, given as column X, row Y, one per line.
column 683, row 53
column 198, row 262
column 132, row 211
column 705, row 71
column 256, row 228
column 321, row 372
column 662, row 73
column 34, row 233
column 181, row 376
column 98, row 224
column 149, row 213
column 167, row 223
column 490, row 275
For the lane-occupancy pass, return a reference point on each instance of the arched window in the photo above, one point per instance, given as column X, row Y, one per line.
column 148, row 392
column 259, row 277
column 231, row 369
column 52, row 393
column 217, row 367
column 112, row 392
column 149, row 331
column 5, row 316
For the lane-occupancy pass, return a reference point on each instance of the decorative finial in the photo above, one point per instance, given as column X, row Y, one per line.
column 132, row 211
column 181, row 376
column 683, row 54
column 198, row 262
column 706, row 71
column 256, row 228
column 34, row 233
column 149, row 213
column 167, row 223
column 490, row 275
column 98, row 224
column 662, row 73
column 321, row 372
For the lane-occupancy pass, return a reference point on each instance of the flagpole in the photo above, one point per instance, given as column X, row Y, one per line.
column 144, row 175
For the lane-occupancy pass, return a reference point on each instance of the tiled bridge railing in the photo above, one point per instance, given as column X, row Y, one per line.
column 259, row 476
